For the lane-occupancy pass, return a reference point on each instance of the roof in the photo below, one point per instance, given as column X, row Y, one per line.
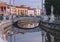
column 23, row 6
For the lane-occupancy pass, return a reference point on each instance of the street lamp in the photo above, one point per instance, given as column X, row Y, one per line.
column 42, row 5
column 11, row 15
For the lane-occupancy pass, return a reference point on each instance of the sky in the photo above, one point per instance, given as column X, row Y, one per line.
column 32, row 3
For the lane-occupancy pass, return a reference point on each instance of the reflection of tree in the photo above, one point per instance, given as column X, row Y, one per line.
column 48, row 38
column 56, row 40
column 56, row 5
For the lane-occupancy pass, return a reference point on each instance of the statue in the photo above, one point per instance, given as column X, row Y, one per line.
column 52, row 17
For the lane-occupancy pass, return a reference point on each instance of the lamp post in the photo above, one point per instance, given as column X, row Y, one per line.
column 42, row 5
column 11, row 15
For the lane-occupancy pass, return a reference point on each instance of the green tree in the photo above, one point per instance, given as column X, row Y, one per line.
column 56, row 5
column 48, row 6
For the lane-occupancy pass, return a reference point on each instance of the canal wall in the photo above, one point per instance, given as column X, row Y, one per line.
column 4, row 28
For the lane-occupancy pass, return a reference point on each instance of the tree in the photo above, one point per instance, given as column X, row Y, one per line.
column 56, row 5
column 48, row 7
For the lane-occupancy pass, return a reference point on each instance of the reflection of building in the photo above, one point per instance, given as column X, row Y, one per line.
column 22, row 10
column 30, row 11
column 13, row 9
column 31, row 25
column 27, row 23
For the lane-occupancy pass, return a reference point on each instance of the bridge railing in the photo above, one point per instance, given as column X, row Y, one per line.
column 5, row 23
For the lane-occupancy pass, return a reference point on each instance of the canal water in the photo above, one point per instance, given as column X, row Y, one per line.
column 27, row 37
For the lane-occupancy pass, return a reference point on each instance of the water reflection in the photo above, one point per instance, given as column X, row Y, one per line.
column 27, row 23
column 28, row 37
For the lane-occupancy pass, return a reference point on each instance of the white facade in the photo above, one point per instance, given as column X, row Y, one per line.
column 37, row 12
column 7, row 11
column 30, row 12
column 13, row 10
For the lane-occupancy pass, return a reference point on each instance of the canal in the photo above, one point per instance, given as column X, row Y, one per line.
column 28, row 30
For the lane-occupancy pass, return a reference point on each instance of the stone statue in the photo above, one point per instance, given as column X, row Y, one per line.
column 52, row 17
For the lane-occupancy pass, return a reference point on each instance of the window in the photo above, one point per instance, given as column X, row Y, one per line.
column 4, row 8
column 1, row 8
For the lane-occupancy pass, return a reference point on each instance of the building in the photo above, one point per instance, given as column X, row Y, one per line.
column 13, row 10
column 3, row 7
column 7, row 9
column 30, row 11
column 18, row 10
column 37, row 12
column 21, row 10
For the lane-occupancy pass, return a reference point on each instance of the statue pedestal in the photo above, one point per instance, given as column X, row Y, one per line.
column 52, row 18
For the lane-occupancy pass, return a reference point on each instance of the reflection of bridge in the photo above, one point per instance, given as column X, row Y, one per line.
column 51, row 29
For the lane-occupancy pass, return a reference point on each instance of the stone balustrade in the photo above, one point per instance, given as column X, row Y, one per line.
column 6, row 23
column 52, row 28
column 4, row 28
